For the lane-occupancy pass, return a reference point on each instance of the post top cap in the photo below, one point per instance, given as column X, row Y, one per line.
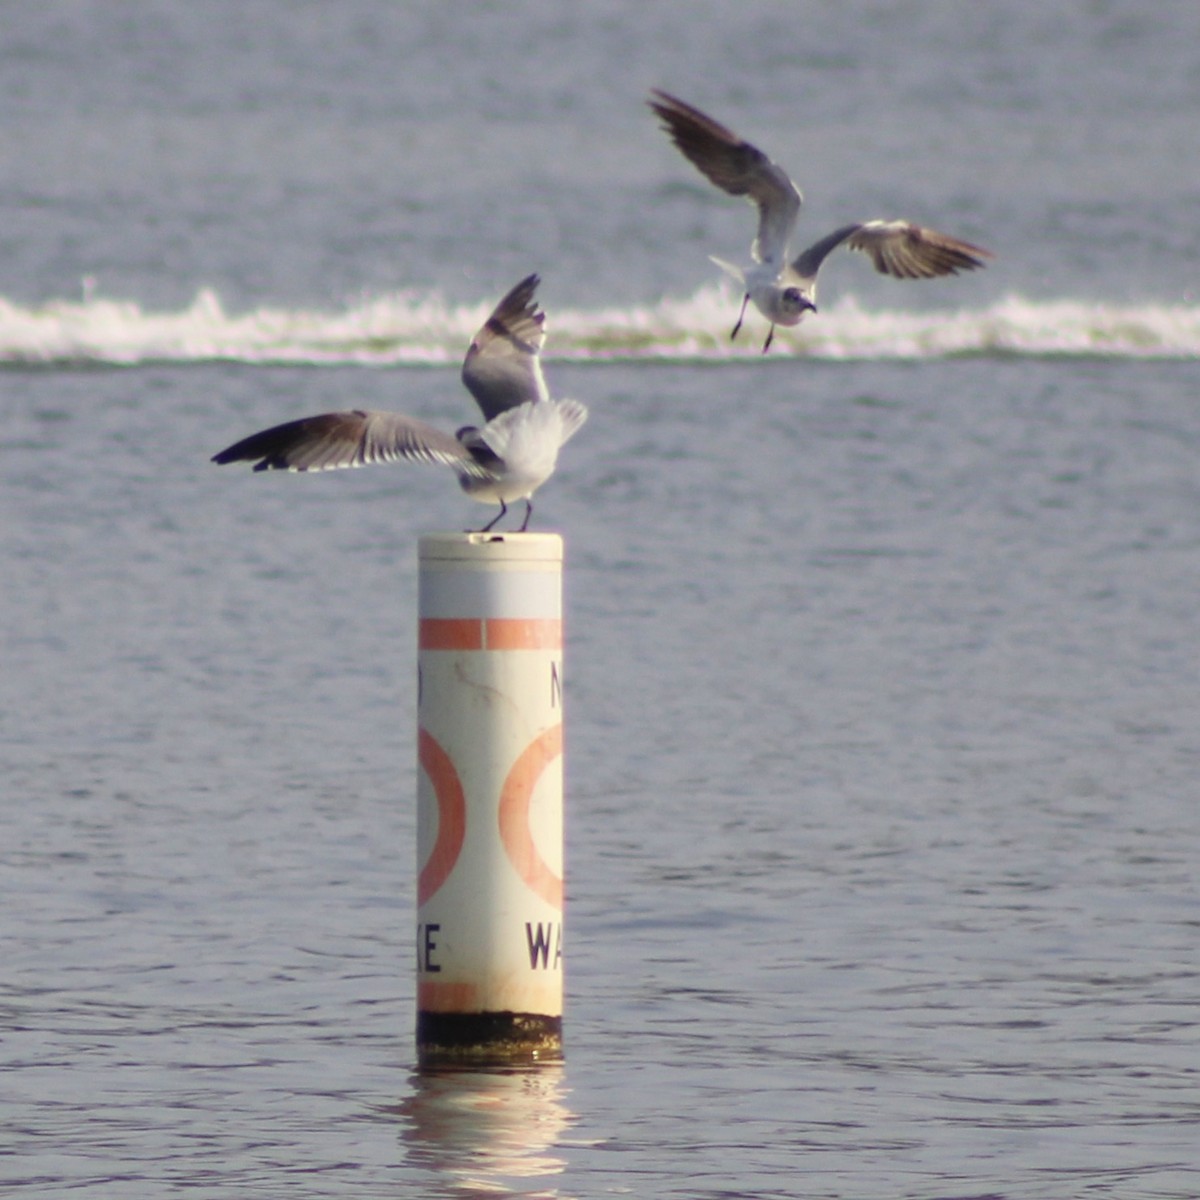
column 497, row 546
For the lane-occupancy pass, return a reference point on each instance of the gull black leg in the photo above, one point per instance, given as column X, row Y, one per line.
column 741, row 316
column 488, row 527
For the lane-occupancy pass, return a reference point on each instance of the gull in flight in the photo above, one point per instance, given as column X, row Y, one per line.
column 782, row 290
column 509, row 458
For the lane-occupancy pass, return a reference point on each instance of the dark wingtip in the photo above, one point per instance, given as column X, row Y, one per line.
column 661, row 99
column 238, row 452
column 524, row 290
column 520, row 295
column 972, row 256
column 257, row 446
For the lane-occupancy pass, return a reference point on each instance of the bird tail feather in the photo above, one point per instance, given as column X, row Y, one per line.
column 728, row 267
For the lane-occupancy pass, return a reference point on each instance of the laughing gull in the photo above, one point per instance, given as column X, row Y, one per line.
column 509, row 458
column 784, row 291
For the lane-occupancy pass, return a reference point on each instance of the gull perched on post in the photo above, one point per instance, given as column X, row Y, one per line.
column 782, row 290
column 509, row 458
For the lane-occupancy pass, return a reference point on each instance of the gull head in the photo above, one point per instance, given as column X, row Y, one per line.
column 793, row 305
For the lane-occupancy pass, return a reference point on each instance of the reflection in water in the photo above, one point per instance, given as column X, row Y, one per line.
column 486, row 1131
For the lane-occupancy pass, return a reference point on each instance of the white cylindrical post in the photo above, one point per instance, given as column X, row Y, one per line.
column 489, row 797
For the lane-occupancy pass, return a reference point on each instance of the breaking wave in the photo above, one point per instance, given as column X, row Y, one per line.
column 414, row 328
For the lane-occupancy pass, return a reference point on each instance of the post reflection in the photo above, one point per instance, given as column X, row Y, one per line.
column 487, row 1131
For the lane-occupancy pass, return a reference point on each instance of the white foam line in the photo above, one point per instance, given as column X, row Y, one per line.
column 411, row 328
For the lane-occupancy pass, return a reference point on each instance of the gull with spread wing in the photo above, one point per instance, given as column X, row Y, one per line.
column 782, row 290
column 509, row 458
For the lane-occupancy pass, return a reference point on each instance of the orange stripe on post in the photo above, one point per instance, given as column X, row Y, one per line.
column 452, row 816
column 523, row 633
column 446, row 633
column 515, row 799
column 493, row 633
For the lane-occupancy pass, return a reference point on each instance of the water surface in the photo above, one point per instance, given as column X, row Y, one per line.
column 881, row 662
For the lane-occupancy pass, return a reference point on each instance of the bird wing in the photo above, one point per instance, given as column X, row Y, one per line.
column 736, row 167
column 907, row 251
column 349, row 439
column 572, row 414
column 502, row 369
column 552, row 424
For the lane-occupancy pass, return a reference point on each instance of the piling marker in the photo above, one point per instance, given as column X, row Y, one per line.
column 489, row 798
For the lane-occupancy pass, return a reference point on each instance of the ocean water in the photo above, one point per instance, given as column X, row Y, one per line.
column 883, row 686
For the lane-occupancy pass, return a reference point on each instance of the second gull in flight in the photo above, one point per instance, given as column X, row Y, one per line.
column 782, row 290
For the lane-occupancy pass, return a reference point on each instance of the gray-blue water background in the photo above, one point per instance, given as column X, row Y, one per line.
column 882, row 671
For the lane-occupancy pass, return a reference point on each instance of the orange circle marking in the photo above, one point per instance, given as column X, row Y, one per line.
column 452, row 815
column 515, row 798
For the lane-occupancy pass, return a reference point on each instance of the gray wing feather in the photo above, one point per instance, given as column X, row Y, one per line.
column 737, row 167
column 348, row 439
column 907, row 251
column 809, row 263
column 502, row 369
